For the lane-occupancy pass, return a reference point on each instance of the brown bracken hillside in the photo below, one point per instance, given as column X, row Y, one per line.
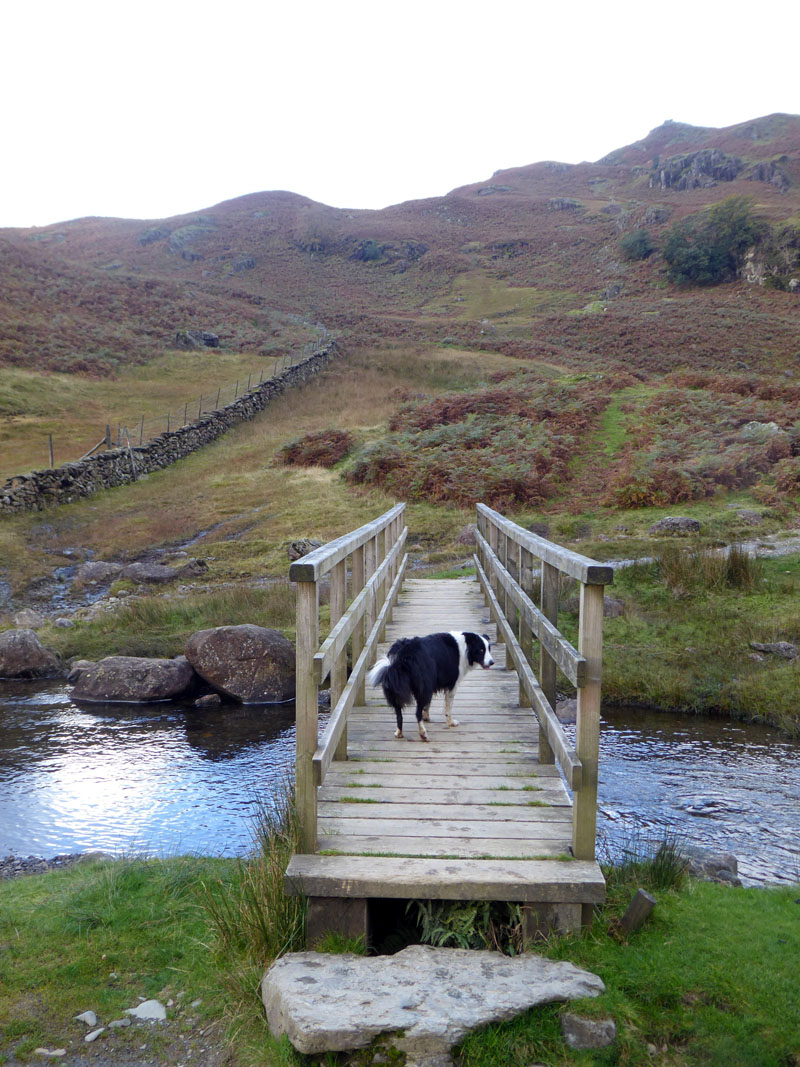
column 528, row 262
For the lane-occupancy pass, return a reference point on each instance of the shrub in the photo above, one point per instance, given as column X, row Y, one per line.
column 324, row 448
column 637, row 245
column 787, row 474
column 708, row 249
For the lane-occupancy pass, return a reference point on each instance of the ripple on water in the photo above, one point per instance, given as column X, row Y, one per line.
column 165, row 779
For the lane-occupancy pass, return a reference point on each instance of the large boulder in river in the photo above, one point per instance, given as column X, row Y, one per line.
column 249, row 663
column 132, row 680
column 22, row 655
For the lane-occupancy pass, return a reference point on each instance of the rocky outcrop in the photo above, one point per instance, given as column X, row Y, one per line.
column 675, row 524
column 97, row 572
column 191, row 340
column 781, row 649
column 302, row 547
column 249, row 663
column 333, row 1003
column 697, row 170
column 118, row 466
column 132, row 680
column 22, row 655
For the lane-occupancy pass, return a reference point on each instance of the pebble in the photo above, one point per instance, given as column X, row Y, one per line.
column 87, row 1017
column 117, row 1024
column 152, row 1010
column 52, row 1052
column 93, row 1036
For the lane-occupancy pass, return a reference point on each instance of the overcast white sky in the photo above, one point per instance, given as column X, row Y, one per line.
column 151, row 109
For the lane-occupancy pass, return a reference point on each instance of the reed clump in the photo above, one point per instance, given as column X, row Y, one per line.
column 698, row 570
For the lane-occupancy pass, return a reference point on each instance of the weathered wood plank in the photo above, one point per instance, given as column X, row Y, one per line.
column 585, row 570
column 480, row 812
column 459, row 847
column 525, row 880
column 448, row 829
column 440, row 798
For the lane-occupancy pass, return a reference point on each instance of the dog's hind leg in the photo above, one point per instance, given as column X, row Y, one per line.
column 423, row 733
column 448, row 707
column 426, row 713
column 399, row 713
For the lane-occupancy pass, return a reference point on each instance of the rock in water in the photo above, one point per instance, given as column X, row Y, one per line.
column 22, row 655
column 132, row 679
column 248, row 663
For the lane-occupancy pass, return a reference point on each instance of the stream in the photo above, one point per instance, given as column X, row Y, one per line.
column 163, row 779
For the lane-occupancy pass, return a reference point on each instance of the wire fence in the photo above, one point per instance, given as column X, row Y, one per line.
column 136, row 429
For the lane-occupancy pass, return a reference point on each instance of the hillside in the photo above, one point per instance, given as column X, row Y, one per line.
column 528, row 261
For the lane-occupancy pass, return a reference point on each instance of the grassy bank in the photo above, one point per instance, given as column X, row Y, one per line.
column 684, row 639
column 197, row 933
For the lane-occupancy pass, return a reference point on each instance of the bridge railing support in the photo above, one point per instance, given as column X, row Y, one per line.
column 374, row 557
column 504, row 561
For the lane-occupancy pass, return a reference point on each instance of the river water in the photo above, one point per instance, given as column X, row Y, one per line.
column 164, row 779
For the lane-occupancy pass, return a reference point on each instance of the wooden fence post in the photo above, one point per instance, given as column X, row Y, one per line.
column 525, row 634
column 547, row 665
column 339, row 669
column 587, row 729
column 357, row 584
column 307, row 713
column 50, row 438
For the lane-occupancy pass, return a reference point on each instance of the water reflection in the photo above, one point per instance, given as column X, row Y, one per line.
column 164, row 779
column 157, row 778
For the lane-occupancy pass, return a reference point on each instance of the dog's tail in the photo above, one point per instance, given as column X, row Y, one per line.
column 378, row 672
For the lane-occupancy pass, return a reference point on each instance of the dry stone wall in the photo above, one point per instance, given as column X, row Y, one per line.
column 118, row 466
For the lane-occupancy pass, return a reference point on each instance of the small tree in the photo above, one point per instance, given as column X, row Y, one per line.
column 637, row 245
column 708, row 249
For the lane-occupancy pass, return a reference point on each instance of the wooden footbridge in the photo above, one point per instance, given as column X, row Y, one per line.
column 501, row 807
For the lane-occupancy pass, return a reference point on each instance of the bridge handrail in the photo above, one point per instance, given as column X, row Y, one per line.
column 323, row 559
column 548, row 721
column 505, row 569
column 377, row 563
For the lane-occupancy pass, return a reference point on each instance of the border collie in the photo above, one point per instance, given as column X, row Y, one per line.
column 418, row 667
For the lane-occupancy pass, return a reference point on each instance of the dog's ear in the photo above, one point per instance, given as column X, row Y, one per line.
column 487, row 637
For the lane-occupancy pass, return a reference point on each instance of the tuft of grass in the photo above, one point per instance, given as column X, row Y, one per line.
column 706, row 569
column 251, row 914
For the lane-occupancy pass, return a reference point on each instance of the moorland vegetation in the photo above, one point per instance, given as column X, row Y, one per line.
column 540, row 341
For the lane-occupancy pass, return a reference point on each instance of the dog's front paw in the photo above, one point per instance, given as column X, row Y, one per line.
column 398, row 733
column 454, row 722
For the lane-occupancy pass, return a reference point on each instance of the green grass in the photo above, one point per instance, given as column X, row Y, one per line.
column 686, row 645
column 709, row 979
column 155, row 625
column 101, row 935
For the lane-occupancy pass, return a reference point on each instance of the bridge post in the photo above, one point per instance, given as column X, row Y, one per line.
column 307, row 711
column 358, row 633
column 587, row 729
column 339, row 669
column 525, row 633
column 547, row 665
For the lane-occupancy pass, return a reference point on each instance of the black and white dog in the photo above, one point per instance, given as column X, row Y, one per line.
column 418, row 667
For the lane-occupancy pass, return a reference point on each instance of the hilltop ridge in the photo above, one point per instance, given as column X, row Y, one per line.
column 525, row 252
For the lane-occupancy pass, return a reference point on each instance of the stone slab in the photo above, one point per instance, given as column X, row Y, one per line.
column 426, row 998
